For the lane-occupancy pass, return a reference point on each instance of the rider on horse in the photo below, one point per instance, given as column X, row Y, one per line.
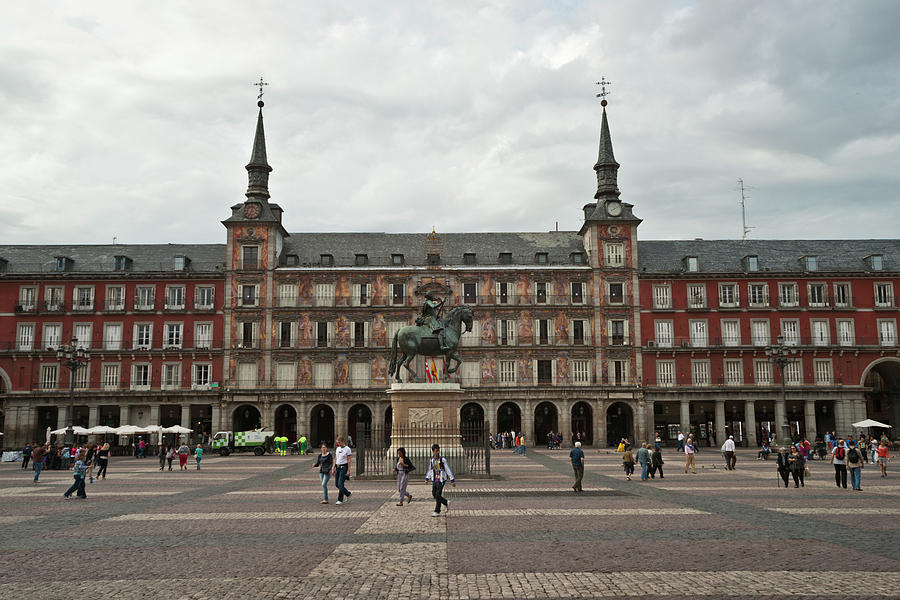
column 431, row 317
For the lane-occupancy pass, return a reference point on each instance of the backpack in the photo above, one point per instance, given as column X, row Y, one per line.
column 839, row 453
column 853, row 455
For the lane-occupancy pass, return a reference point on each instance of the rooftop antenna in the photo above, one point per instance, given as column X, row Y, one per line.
column 744, row 197
column 114, row 240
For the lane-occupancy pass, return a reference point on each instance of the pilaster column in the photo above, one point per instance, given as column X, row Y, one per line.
column 842, row 416
column 340, row 420
column 93, row 416
column 62, row 413
column 720, row 422
column 600, row 425
column 650, row 420
column 750, row 423
column 780, row 422
column 186, row 416
column 528, row 424
column 685, row 416
column 809, row 409
column 894, row 410
column 124, row 414
column 154, row 414
column 216, row 424
column 565, row 423
column 303, row 420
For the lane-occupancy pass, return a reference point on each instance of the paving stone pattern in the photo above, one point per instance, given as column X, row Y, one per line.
column 253, row 527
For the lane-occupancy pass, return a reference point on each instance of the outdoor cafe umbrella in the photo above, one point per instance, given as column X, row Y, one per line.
column 177, row 429
column 101, row 430
column 78, row 429
column 870, row 423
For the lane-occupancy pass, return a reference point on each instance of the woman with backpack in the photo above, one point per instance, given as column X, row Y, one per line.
column 403, row 468
column 839, row 460
column 855, row 466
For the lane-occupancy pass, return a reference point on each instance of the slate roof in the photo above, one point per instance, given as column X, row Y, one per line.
column 147, row 258
column 380, row 246
column 782, row 256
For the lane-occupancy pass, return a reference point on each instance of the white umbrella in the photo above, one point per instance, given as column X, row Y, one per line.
column 869, row 423
column 77, row 428
column 128, row 430
column 177, row 429
column 101, row 430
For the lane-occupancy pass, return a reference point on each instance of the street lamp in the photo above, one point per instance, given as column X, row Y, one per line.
column 73, row 358
column 779, row 354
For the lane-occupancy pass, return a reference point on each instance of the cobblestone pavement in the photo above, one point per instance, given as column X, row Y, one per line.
column 253, row 527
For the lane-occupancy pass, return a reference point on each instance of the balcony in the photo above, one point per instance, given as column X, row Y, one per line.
column 82, row 305
column 114, row 306
column 204, row 306
column 25, row 308
column 144, row 304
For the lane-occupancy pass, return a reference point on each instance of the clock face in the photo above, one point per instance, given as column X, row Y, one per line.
column 614, row 209
column 251, row 210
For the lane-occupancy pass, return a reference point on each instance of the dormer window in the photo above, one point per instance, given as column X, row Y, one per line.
column 122, row 263
column 291, row 260
column 691, row 264
column 326, row 260
column 577, row 258
column 396, row 259
column 876, row 262
column 506, row 258
column 751, row 264
column 4, row 264
column 433, row 260
column 362, row 260
column 541, row 258
column 180, row 263
column 469, row 258
column 811, row 263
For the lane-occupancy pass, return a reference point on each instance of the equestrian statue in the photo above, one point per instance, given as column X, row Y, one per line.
column 432, row 335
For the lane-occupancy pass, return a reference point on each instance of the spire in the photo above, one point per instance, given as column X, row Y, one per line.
column 258, row 168
column 607, row 168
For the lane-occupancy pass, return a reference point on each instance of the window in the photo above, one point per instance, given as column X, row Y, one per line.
column 469, row 258
column 285, row 375
column 361, row 260
column 503, row 292
column 284, row 335
column 577, row 292
column 662, row 296
column 759, row 332
column 793, row 374
column 361, row 374
column 734, row 372
column 691, row 264
column 361, row 296
column 81, row 377
column 663, row 333
column 173, row 335
column 811, row 262
column 287, row 294
column 817, row 295
column 845, row 333
column 884, row 294
column 505, row 258
column 249, row 257
column 84, row 298
column 61, row 264
column 470, row 291
column 115, row 297
column 203, row 336
column 545, row 371
column 577, row 258
column 360, row 334
column 396, row 259
column 323, row 375
column 543, row 331
column 140, row 377
column 751, row 263
column 617, row 332
column 398, row 297
column 324, row 294
column 581, row 371
column 84, row 333
column 540, row 292
column 180, row 263
column 49, row 374
column 53, row 296
column 249, row 295
column 616, row 293
column 326, row 260
column 27, row 298
column 202, row 375
column 876, row 262
column 665, row 373
column 696, row 296
column 787, row 294
column 144, row 298
column 700, row 372
column 731, row 332
column 728, row 295
column 887, row 332
column 247, row 374
column 577, row 332
column 143, row 336
column 699, row 334
column 204, row 297
column 615, row 254
column 822, row 371
column 790, row 332
column 842, row 294
column 507, row 332
column 175, row 297
column 541, row 258
column 759, row 294
column 507, row 372
column 820, row 333
column 322, row 336
column 110, row 377
column 171, row 379
column 249, row 334
column 25, row 337
column 52, row 335
column 762, row 372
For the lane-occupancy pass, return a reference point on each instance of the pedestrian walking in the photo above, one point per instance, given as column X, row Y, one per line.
column 102, row 461
column 728, row 450
column 170, row 455
column 38, row 455
column 689, row 451
column 657, row 442
column 839, row 460
column 783, row 466
column 680, row 442
column 65, row 457
column 26, row 455
column 183, row 453
column 643, row 457
column 198, row 455
column 628, row 464
column 162, row 457
column 78, row 473
column 522, row 444
column 656, row 463
column 855, row 466
column 142, row 448
column 403, row 468
column 90, row 460
column 796, row 464
column 439, row 474
column 884, row 455
column 342, row 458
column 577, row 457
column 325, row 463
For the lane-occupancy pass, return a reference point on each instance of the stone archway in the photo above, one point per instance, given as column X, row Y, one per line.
column 471, row 423
column 359, row 421
column 286, row 422
column 583, row 422
column 882, row 377
column 509, row 417
column 321, row 423
column 619, row 423
column 246, row 417
column 546, row 420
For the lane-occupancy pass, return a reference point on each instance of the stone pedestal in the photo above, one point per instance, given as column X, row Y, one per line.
column 424, row 414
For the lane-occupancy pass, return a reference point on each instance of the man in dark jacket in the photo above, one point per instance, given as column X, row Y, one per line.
column 783, row 465
column 656, row 463
column 37, row 459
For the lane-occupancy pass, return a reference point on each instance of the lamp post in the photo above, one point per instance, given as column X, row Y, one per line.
column 780, row 354
column 73, row 358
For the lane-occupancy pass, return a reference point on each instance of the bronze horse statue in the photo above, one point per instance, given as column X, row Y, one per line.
column 413, row 340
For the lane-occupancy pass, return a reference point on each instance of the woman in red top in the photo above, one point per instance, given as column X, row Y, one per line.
column 883, row 456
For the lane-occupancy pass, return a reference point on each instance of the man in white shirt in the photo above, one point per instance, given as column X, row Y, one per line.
column 342, row 458
column 680, row 441
column 728, row 450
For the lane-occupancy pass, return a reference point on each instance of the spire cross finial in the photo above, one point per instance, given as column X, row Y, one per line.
column 603, row 83
column 260, row 84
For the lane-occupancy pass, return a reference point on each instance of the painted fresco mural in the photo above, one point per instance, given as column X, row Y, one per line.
column 342, row 291
column 305, row 332
column 561, row 289
column 488, row 331
column 379, row 370
column 526, row 327
column 562, row 368
column 488, row 370
column 342, row 332
column 561, row 328
column 305, row 291
column 488, row 289
column 379, row 291
column 523, row 290
column 379, row 331
column 304, row 371
column 341, row 370
column 526, row 369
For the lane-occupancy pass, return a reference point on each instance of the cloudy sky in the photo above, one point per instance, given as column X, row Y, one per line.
column 135, row 120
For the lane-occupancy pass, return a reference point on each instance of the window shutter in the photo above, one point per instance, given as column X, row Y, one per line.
column 512, row 330
column 587, row 332
column 497, row 292
column 537, row 331
column 366, row 333
column 534, row 371
column 330, row 341
column 553, row 371
column 355, row 294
